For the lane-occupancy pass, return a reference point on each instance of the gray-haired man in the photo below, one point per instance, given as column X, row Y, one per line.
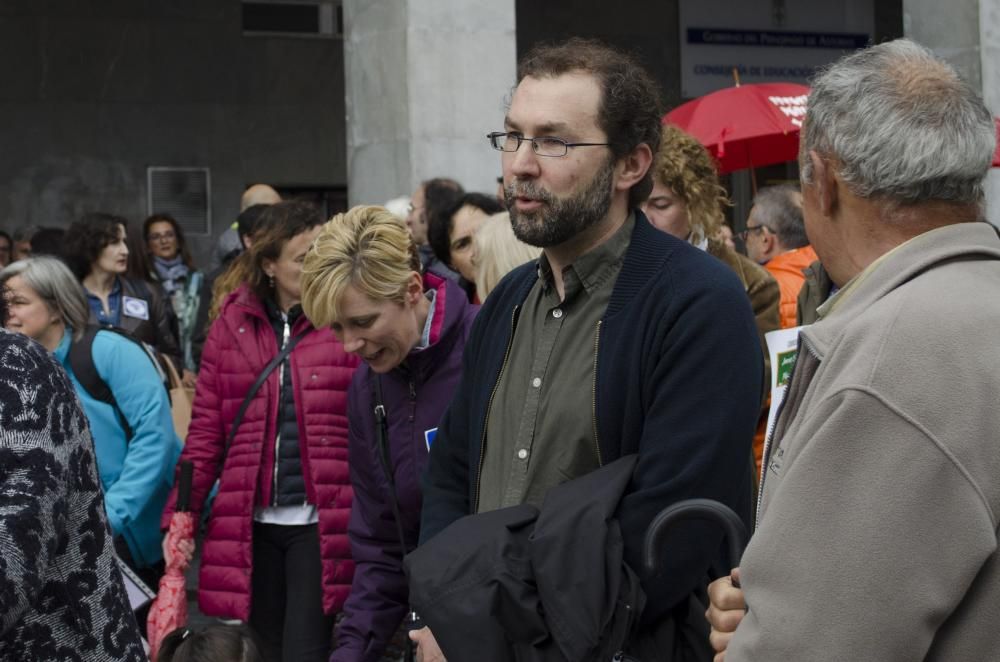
column 877, row 534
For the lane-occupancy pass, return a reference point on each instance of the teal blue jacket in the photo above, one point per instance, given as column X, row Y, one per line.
column 136, row 476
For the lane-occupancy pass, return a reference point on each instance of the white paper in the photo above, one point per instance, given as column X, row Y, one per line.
column 138, row 593
column 783, row 348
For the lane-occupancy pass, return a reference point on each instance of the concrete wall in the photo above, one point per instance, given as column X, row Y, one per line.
column 967, row 34
column 95, row 91
column 426, row 81
column 989, row 52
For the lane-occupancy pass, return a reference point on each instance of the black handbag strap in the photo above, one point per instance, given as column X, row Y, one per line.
column 412, row 621
column 268, row 369
column 382, row 437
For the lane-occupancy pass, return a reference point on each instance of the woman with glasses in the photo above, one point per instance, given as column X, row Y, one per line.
column 174, row 269
column 362, row 279
column 687, row 202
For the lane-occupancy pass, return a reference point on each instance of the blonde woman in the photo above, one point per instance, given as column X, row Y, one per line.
column 498, row 252
column 362, row 279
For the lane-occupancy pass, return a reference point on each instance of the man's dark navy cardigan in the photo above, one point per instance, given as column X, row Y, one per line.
column 679, row 381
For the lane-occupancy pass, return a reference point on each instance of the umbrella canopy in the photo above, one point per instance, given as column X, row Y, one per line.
column 746, row 126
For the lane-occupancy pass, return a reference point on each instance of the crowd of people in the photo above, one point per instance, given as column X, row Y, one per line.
column 442, row 427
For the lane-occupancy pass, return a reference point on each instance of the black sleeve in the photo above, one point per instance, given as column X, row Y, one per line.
column 200, row 331
column 161, row 314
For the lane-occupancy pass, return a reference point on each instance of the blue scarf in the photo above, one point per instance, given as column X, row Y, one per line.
column 171, row 273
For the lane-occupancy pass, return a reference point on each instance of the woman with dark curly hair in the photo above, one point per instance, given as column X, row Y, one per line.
column 97, row 252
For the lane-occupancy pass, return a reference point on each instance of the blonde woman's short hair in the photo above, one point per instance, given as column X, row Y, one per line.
column 366, row 247
column 498, row 252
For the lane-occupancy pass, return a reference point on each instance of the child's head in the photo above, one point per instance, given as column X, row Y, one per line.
column 215, row 643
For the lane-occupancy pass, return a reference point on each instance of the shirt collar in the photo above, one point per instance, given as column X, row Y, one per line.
column 116, row 289
column 593, row 268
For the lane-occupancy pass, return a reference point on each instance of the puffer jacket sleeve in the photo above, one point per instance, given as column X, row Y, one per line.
column 149, row 460
column 206, row 435
column 378, row 600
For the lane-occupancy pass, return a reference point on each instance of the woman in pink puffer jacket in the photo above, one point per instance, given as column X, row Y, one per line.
column 276, row 552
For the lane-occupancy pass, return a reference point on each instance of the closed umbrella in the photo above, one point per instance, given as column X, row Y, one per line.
column 169, row 610
column 746, row 126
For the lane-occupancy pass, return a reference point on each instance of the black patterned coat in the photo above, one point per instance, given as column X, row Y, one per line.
column 61, row 594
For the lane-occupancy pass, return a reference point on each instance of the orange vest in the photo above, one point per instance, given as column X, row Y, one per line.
column 787, row 270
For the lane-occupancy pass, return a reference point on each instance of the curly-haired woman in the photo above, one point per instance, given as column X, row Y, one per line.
column 687, row 202
column 96, row 250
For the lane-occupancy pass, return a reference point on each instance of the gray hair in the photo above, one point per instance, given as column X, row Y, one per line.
column 55, row 284
column 780, row 209
column 901, row 125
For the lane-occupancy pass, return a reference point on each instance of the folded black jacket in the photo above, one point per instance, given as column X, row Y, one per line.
column 529, row 585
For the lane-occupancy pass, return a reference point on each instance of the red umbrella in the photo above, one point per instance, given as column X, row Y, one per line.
column 169, row 610
column 746, row 126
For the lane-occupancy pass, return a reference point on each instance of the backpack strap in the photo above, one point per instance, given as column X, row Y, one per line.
column 81, row 360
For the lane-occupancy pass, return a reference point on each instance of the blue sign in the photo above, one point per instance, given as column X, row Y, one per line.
column 776, row 38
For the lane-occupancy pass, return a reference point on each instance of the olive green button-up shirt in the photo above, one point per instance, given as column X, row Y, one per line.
column 540, row 428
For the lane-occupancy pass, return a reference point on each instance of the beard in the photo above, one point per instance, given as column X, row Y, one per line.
column 559, row 219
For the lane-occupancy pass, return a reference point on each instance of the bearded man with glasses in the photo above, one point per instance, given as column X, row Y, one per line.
column 650, row 339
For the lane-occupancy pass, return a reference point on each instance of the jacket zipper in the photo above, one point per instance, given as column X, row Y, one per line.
column 277, row 437
column 413, row 401
column 768, row 440
column 489, row 406
column 597, row 443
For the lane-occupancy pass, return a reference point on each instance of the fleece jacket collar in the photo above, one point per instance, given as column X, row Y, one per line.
column 961, row 241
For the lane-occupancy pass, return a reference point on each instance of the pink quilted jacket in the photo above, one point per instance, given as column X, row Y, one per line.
column 239, row 345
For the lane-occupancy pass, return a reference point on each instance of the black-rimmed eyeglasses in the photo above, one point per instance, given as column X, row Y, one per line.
column 752, row 229
column 544, row 146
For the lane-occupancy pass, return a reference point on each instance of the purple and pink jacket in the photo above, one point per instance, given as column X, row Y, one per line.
column 415, row 395
column 239, row 345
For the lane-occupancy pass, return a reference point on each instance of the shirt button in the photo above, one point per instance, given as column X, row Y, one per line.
column 557, row 313
column 536, row 382
column 242, row 329
column 522, row 454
